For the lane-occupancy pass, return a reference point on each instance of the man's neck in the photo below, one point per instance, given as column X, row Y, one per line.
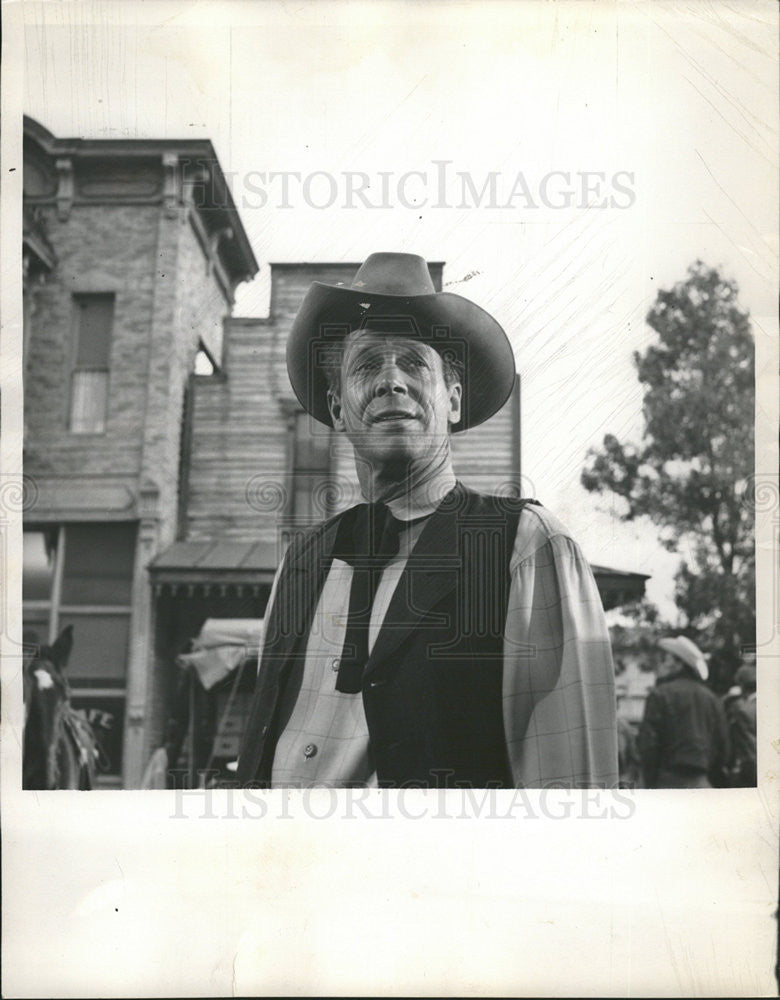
column 423, row 498
column 417, row 495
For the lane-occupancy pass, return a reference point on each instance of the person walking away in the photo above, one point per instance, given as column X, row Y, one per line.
column 683, row 737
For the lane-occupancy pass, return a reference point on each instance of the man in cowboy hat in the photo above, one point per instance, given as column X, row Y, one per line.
column 683, row 738
column 431, row 636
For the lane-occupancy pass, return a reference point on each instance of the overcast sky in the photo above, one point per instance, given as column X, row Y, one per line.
column 569, row 160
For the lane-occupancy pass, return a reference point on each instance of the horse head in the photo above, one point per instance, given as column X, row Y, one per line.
column 46, row 670
column 45, row 692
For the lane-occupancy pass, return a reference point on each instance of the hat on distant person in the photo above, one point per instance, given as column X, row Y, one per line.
column 392, row 294
column 688, row 652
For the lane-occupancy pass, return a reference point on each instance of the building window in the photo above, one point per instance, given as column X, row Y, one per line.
column 81, row 575
column 93, row 322
column 311, row 444
column 204, row 361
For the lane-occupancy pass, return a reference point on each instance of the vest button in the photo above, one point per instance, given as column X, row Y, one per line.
column 335, row 663
column 310, row 750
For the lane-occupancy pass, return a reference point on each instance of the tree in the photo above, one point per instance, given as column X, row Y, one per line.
column 639, row 641
column 692, row 473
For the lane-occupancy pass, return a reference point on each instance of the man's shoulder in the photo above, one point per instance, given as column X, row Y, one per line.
column 308, row 537
column 474, row 501
column 691, row 687
column 710, row 703
column 536, row 525
column 542, row 520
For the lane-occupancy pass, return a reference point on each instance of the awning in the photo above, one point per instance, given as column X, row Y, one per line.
column 212, row 562
column 618, row 586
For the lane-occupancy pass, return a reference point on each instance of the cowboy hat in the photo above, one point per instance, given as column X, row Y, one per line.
column 688, row 652
column 392, row 294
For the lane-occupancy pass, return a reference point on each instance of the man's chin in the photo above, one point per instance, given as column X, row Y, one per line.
column 389, row 457
column 392, row 456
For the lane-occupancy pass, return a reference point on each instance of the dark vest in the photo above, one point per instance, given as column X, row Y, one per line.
column 432, row 684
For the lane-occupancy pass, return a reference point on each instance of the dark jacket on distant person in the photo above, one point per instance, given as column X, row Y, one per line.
column 684, row 730
column 742, row 725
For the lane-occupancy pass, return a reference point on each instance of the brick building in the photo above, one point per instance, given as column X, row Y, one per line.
column 132, row 253
column 170, row 457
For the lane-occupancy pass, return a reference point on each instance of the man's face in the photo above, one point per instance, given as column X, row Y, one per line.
column 394, row 404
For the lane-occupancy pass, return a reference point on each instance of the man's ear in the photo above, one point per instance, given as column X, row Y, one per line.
column 334, row 405
column 455, row 396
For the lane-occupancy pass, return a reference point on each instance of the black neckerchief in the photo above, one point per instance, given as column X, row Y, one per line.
column 367, row 539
